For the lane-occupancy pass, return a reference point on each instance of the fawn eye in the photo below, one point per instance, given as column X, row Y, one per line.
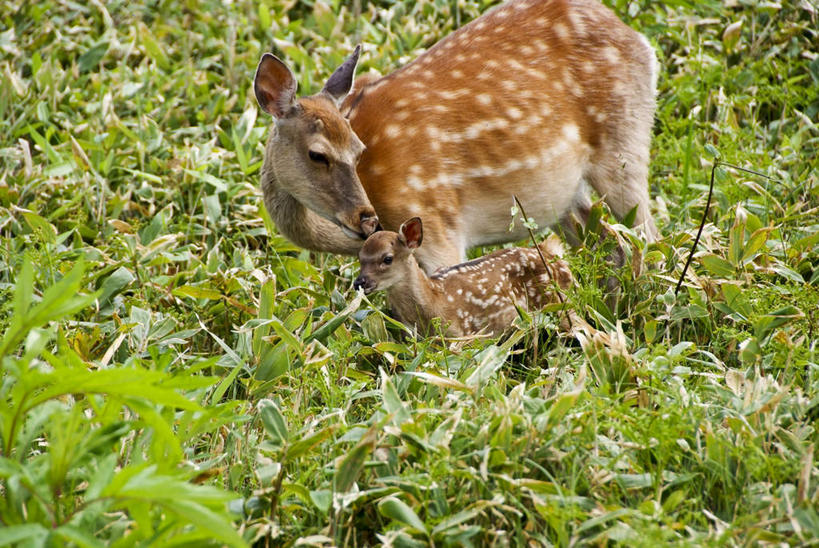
column 319, row 158
column 388, row 259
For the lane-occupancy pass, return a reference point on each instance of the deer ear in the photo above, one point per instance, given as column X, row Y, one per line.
column 341, row 81
column 413, row 232
column 275, row 86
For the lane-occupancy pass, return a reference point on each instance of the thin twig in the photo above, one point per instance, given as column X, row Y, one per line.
column 543, row 260
column 717, row 163
column 699, row 232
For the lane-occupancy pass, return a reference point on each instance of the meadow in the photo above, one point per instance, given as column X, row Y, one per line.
column 175, row 373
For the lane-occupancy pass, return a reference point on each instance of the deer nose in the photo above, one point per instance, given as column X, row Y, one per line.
column 360, row 282
column 369, row 222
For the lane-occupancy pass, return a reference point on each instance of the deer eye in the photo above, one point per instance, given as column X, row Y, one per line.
column 319, row 158
column 388, row 259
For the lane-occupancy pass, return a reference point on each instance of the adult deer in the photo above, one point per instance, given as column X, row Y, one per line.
column 535, row 98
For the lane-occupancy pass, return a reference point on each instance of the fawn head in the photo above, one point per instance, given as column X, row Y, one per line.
column 312, row 151
column 385, row 256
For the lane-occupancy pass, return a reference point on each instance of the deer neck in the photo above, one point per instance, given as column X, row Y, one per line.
column 416, row 300
column 297, row 222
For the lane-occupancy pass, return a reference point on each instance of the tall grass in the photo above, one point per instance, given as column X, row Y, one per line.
column 174, row 372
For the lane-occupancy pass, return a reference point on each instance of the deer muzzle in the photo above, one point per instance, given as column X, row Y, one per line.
column 365, row 283
column 360, row 223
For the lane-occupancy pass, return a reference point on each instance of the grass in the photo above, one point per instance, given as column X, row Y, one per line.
column 176, row 373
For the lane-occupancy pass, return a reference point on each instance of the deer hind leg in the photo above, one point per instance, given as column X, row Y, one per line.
column 620, row 175
column 577, row 215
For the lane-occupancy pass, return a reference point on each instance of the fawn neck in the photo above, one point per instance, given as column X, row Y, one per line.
column 416, row 299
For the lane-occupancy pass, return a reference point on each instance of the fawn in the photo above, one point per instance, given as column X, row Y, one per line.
column 535, row 98
column 476, row 297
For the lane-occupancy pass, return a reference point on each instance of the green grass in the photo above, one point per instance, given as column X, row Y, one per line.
column 176, row 373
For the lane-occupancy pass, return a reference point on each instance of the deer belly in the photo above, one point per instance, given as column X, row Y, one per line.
column 546, row 193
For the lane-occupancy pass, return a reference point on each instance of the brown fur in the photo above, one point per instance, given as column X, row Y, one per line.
column 535, row 99
column 477, row 297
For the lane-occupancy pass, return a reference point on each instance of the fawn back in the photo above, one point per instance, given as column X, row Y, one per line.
column 478, row 296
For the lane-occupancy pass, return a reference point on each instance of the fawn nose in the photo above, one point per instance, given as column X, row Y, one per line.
column 359, row 282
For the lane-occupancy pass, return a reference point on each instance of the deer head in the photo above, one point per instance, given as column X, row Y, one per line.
column 312, row 150
column 386, row 257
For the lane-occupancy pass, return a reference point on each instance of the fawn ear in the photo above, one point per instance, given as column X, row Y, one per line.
column 341, row 81
column 413, row 232
column 275, row 86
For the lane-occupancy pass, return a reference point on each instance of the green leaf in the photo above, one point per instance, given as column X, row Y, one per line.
column 274, row 423
column 735, row 243
column 58, row 301
column 304, row 445
column 351, row 465
column 40, row 226
column 10, row 535
column 216, row 523
column 392, row 401
column 115, row 283
column 717, row 266
column 754, row 244
column 91, row 58
column 197, row 292
column 77, row 536
column 328, row 328
column 153, row 48
column 765, row 325
column 397, row 510
column 711, row 150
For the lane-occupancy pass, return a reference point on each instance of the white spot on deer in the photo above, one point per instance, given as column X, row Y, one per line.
column 401, row 103
column 587, row 67
column 450, row 299
column 577, row 22
column 611, row 55
column 509, row 85
column 402, row 115
column 413, row 181
column 561, row 31
column 452, row 94
column 484, row 98
column 571, row 132
column 480, row 25
column 532, row 162
column 460, row 58
column 514, row 113
column 540, row 45
column 456, row 74
column 459, row 291
column 392, row 131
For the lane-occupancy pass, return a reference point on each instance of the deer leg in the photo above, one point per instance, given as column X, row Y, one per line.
column 578, row 215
